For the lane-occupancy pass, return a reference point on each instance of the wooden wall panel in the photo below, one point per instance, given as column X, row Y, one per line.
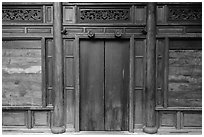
column 170, row 30
column 160, row 59
column 192, row 119
column 12, row 118
column 22, row 73
column 168, row 119
column 13, row 30
column 139, row 82
column 41, row 119
column 69, row 92
column 69, row 15
column 139, row 65
column 161, row 14
column 69, row 95
column 185, row 81
column 140, row 14
column 39, row 30
column 48, row 14
column 49, row 68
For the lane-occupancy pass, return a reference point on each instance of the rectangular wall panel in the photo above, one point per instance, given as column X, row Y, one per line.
column 139, row 69
column 14, row 118
column 140, row 14
column 160, row 59
column 192, row 119
column 22, row 73
column 168, row 119
column 41, row 119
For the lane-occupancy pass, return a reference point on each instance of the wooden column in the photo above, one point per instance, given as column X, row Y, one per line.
column 58, row 121
column 150, row 126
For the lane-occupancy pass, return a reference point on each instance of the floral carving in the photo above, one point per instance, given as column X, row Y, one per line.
column 185, row 14
column 22, row 14
column 102, row 15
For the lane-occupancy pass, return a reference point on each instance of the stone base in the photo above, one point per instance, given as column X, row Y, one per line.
column 58, row 130
column 150, row 130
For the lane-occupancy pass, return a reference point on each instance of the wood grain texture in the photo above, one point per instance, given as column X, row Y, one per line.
column 185, row 78
column 91, row 85
column 151, row 70
column 58, row 85
column 116, row 84
column 192, row 120
column 21, row 81
column 13, row 119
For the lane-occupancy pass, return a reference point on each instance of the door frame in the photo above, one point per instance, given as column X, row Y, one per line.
column 77, row 75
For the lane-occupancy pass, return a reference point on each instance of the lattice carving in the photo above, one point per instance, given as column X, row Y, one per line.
column 28, row 14
column 185, row 14
column 104, row 15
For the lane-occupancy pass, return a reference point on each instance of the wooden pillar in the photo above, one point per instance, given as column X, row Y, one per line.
column 150, row 126
column 58, row 121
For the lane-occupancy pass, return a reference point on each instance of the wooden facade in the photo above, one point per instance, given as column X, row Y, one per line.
column 102, row 67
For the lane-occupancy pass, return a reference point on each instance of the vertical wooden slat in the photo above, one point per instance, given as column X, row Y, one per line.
column 131, row 84
column 179, row 120
column 151, row 71
column 58, row 118
column 77, row 88
column 29, row 119
column 43, row 57
column 166, row 71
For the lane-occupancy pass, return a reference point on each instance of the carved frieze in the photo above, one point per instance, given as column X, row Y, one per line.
column 193, row 14
column 104, row 15
column 22, row 14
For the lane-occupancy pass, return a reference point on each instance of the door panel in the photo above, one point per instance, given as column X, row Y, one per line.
column 104, row 85
column 92, row 85
column 116, row 84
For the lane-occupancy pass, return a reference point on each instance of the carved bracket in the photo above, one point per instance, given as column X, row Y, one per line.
column 64, row 32
column 91, row 34
column 118, row 34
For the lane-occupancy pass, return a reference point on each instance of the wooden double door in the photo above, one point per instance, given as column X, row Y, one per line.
column 104, row 85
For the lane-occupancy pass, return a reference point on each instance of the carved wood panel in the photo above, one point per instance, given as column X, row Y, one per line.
column 19, row 14
column 193, row 14
column 103, row 15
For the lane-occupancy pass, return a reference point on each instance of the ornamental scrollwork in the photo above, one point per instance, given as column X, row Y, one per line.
column 104, row 15
column 22, row 14
column 184, row 14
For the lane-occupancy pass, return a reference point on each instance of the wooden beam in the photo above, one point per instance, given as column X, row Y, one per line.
column 58, row 118
column 150, row 126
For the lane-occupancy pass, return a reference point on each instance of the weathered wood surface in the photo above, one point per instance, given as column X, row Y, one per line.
column 151, row 70
column 13, row 119
column 116, row 85
column 21, row 81
column 91, row 85
column 104, row 85
column 58, row 113
column 185, row 78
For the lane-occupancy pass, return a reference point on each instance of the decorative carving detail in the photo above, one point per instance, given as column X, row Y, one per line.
column 118, row 33
column 185, row 14
column 91, row 34
column 104, row 15
column 22, row 14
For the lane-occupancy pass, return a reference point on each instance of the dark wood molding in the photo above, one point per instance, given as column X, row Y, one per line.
column 150, row 126
column 58, row 118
